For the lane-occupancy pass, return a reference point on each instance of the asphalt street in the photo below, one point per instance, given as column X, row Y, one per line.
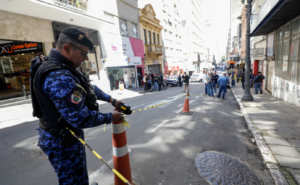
column 162, row 142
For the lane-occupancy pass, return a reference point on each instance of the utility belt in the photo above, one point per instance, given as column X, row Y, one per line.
column 66, row 136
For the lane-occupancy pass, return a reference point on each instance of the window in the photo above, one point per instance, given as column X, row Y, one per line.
column 157, row 39
column 279, row 53
column 123, row 27
column 149, row 37
column 134, row 30
column 285, row 51
column 154, row 38
column 145, row 37
column 294, row 50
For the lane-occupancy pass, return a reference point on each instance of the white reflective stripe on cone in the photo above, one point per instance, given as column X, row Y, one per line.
column 118, row 128
column 187, row 97
column 120, row 152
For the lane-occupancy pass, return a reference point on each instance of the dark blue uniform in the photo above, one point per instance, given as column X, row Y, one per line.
column 68, row 96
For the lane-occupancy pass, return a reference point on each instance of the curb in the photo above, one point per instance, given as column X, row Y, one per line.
column 272, row 164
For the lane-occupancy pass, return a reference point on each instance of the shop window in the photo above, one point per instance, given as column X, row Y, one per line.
column 149, row 38
column 278, row 68
column 90, row 66
column 154, row 38
column 134, row 30
column 157, row 39
column 294, row 50
column 145, row 37
column 123, row 27
column 285, row 51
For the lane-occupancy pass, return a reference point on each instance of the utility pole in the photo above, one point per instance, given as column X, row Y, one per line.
column 247, row 94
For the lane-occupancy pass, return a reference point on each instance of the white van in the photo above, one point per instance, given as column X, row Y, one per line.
column 196, row 77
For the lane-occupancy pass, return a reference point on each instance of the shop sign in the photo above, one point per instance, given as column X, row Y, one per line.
column 175, row 68
column 270, row 49
column 155, row 61
column 138, row 47
column 259, row 52
column 15, row 48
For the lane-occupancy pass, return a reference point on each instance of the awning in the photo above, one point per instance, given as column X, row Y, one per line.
column 270, row 19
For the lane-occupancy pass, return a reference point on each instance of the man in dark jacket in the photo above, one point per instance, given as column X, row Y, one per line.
column 243, row 80
column 179, row 81
column 251, row 78
column 214, row 79
column 186, row 80
column 140, row 80
column 159, row 81
column 258, row 82
column 111, row 81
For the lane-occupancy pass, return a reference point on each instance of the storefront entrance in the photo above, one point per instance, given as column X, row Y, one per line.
column 154, row 69
column 15, row 58
column 117, row 73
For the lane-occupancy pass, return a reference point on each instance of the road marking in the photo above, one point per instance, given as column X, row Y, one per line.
column 158, row 126
column 197, row 97
column 192, row 101
column 102, row 169
column 132, row 108
column 179, row 110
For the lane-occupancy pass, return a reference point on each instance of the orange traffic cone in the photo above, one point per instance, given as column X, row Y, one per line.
column 186, row 106
column 120, row 152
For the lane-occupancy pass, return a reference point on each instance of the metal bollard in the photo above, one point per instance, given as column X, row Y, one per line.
column 120, row 152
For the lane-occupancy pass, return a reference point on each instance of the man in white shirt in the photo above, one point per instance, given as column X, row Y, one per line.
column 126, row 79
column 205, row 81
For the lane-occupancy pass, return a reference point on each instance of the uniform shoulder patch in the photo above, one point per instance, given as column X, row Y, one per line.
column 76, row 97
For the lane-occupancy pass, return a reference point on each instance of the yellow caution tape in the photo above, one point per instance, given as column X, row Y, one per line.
column 125, row 122
column 100, row 158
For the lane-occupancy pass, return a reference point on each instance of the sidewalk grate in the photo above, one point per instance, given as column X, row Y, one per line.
column 218, row 169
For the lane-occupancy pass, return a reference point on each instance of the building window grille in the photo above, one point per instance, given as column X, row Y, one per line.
column 154, row 38
column 157, row 39
column 134, row 30
column 285, row 51
column 123, row 27
column 145, row 37
column 279, row 53
column 294, row 54
column 149, row 37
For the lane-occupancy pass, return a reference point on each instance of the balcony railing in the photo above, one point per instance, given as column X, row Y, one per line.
column 79, row 6
column 155, row 49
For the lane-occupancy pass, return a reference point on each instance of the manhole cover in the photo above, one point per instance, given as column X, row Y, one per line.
column 220, row 169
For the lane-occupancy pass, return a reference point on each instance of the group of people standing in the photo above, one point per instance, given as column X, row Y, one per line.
column 257, row 81
column 211, row 80
column 153, row 82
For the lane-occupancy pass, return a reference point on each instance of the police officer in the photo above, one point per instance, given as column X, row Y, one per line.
column 63, row 97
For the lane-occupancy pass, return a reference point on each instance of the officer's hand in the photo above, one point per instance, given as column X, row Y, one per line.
column 118, row 102
column 116, row 116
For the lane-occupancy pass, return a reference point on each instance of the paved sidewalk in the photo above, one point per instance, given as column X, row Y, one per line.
column 276, row 129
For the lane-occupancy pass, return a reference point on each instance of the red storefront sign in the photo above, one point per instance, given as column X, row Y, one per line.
column 175, row 68
column 137, row 47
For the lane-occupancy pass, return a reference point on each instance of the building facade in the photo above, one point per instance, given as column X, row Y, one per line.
column 150, row 30
column 277, row 32
column 28, row 32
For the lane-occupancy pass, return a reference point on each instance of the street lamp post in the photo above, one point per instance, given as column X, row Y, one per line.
column 247, row 94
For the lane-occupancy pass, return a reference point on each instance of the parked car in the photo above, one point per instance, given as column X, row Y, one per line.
column 196, row 77
column 172, row 80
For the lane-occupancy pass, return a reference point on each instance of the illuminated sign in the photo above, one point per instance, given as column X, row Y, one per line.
column 15, row 48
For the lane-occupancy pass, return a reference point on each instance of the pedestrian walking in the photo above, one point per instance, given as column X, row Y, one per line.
column 243, row 80
column 205, row 81
column 210, row 90
column 222, row 81
column 186, row 79
column 63, row 97
column 179, row 81
column 126, row 79
column 258, row 82
column 140, row 81
column 251, row 78
column 146, row 82
column 159, row 81
column 155, row 82
column 112, row 81
column 149, row 82
column 132, row 78
column 215, row 78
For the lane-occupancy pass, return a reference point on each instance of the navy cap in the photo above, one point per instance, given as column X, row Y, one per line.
column 78, row 36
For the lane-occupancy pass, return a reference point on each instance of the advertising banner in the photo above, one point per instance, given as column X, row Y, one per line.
column 19, row 47
column 270, row 49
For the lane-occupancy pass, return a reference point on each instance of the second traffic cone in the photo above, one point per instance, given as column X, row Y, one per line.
column 186, row 106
